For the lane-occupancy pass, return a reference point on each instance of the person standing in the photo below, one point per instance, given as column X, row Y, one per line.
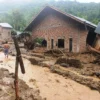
column 6, row 47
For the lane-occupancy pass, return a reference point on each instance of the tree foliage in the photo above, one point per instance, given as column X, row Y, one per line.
column 20, row 15
column 17, row 20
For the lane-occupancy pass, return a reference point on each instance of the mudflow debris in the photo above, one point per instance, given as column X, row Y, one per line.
column 7, row 88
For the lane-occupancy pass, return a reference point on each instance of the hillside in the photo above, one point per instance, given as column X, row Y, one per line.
column 27, row 10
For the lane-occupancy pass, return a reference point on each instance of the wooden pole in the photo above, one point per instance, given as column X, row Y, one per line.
column 19, row 55
column 18, row 61
column 16, row 80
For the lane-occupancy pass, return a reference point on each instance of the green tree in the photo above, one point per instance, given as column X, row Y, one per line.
column 17, row 20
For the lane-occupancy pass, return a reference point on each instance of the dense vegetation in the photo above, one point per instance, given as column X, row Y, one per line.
column 19, row 14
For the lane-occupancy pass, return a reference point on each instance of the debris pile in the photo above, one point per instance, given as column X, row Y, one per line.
column 37, row 55
column 87, row 61
column 34, row 60
column 54, row 52
column 61, row 60
column 90, row 82
column 71, row 62
column 97, row 61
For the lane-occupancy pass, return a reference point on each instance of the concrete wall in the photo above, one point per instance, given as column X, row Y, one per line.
column 55, row 26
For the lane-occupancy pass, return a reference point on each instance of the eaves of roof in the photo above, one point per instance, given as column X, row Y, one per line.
column 78, row 19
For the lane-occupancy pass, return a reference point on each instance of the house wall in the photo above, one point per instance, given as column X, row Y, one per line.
column 5, row 34
column 97, row 43
column 55, row 26
column 0, row 32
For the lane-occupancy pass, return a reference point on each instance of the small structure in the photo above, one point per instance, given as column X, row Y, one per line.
column 62, row 30
column 5, row 32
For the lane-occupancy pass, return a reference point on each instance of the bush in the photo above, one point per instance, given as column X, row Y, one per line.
column 38, row 40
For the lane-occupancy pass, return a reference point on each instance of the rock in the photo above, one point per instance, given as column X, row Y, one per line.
column 44, row 64
column 34, row 61
column 96, row 74
column 64, row 65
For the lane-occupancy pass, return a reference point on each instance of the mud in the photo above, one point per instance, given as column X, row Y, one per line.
column 88, row 81
column 34, row 60
column 51, row 85
column 86, row 63
column 7, row 91
column 70, row 62
column 97, row 61
column 89, row 67
column 54, row 53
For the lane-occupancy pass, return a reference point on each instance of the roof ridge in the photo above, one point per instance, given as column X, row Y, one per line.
column 81, row 20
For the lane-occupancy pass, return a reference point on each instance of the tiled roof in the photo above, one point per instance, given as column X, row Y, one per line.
column 78, row 19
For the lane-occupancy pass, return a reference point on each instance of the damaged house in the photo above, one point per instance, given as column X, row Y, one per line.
column 62, row 30
column 96, row 44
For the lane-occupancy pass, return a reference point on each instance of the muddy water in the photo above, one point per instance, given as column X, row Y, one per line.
column 52, row 86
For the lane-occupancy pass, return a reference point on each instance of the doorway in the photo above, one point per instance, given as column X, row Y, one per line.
column 52, row 42
column 70, row 44
column 60, row 43
column 91, row 37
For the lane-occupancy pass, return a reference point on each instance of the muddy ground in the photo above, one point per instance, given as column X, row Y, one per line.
column 87, row 63
column 7, row 88
column 39, row 68
column 90, row 62
column 81, row 67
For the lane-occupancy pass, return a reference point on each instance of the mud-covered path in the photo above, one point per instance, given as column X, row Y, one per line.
column 51, row 85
